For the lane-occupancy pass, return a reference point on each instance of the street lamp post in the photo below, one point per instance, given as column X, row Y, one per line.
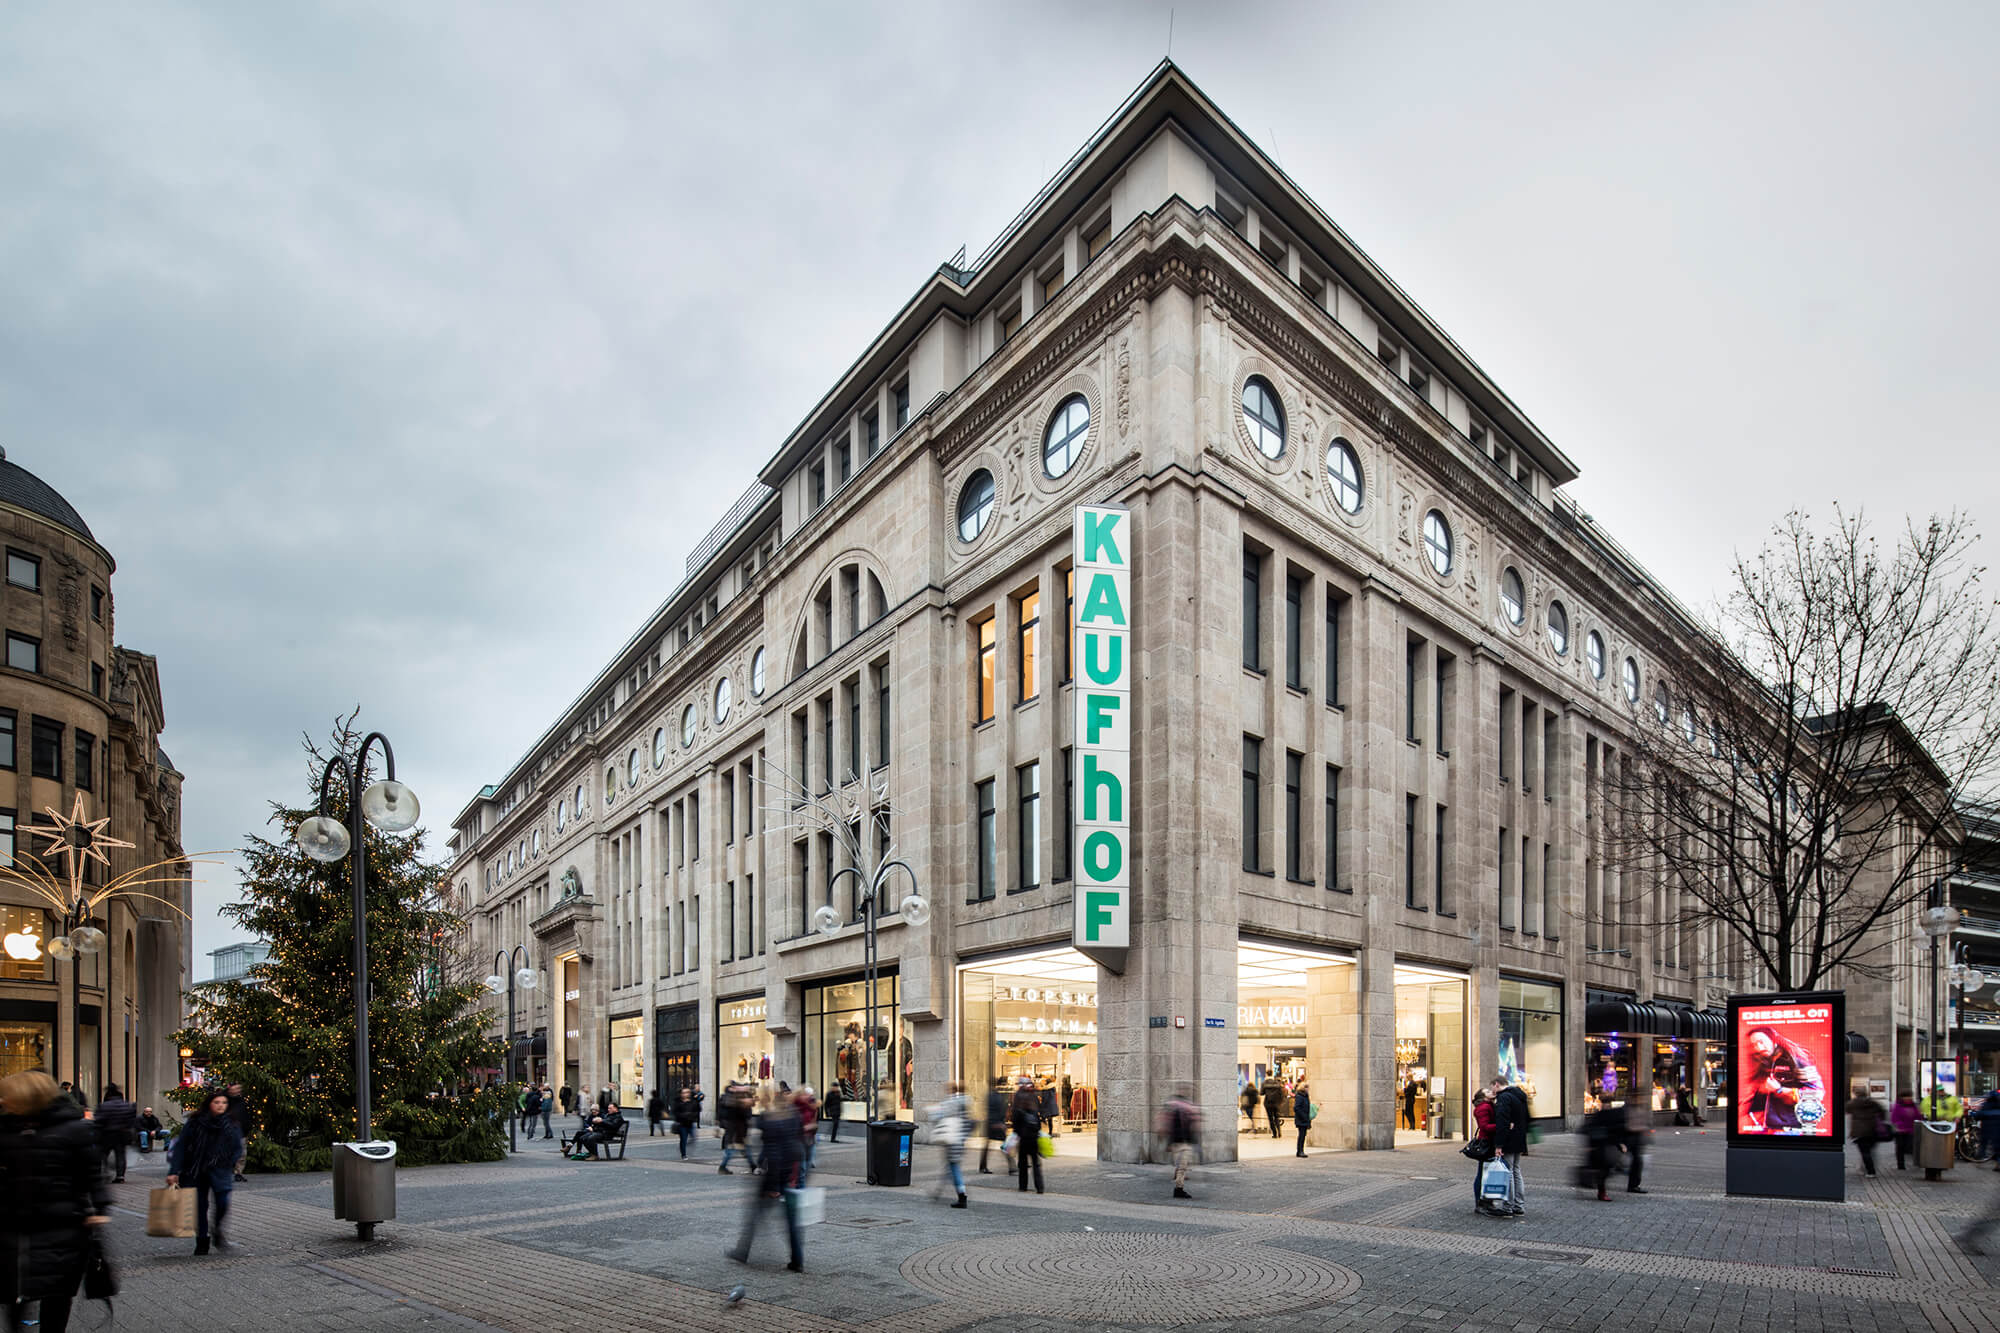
column 914, row 909
column 1938, row 921
column 391, row 807
column 504, row 979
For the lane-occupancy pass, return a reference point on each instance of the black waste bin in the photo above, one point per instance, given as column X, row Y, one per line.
column 889, row 1149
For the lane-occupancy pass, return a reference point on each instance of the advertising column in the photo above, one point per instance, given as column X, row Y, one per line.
column 1101, row 927
column 1787, row 1121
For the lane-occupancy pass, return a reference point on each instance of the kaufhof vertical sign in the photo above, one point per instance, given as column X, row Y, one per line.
column 1102, row 734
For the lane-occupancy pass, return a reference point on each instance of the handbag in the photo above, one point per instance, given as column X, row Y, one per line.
column 808, row 1205
column 100, row 1283
column 1045, row 1145
column 1012, row 1143
column 170, row 1212
column 1479, row 1150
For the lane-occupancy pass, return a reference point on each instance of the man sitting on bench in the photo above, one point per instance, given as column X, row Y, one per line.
column 604, row 1128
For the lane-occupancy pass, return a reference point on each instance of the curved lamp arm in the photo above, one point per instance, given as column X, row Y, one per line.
column 326, row 776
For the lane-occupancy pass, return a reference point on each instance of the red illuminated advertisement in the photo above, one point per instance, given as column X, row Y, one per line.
column 1786, row 1078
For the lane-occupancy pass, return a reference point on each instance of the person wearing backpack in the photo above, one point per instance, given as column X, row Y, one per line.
column 1180, row 1126
column 1026, row 1119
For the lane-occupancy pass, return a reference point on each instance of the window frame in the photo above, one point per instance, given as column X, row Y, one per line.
column 34, row 562
column 32, row 645
column 1513, row 596
column 982, row 508
column 986, row 844
column 1028, row 826
column 1558, row 627
column 1027, row 639
column 52, row 729
column 1261, row 426
column 1439, row 546
column 1075, row 437
column 1351, row 479
column 10, row 727
column 1593, row 654
column 986, row 669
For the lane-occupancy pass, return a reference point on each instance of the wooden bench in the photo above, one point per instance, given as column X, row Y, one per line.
column 567, row 1144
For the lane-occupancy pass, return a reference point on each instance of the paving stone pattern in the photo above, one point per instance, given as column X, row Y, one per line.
column 1382, row 1241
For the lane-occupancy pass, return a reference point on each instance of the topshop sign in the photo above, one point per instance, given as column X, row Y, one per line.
column 1101, row 926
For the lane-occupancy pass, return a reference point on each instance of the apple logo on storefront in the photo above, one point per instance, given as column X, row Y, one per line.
column 23, row 946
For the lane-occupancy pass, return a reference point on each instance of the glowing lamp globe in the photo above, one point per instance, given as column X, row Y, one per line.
column 322, row 838
column 1974, row 978
column 390, row 806
column 525, row 978
column 496, row 983
column 87, row 939
column 826, row 921
column 916, row 910
column 61, row 949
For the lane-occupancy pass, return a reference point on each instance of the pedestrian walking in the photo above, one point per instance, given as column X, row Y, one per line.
column 53, row 1194
column 568, row 1096
column 1026, row 1120
column 807, row 1102
column 1903, row 1119
column 239, row 1111
column 548, row 1107
column 778, row 1130
column 117, row 1123
column 1249, row 1099
column 1302, row 1111
column 656, row 1114
column 687, row 1117
column 204, row 1155
column 531, row 1108
column 1051, row 1112
column 1180, row 1126
column 1988, row 1116
column 951, row 1124
column 733, row 1116
column 1482, row 1142
column 1274, row 1097
column 1410, row 1102
column 1975, row 1231
column 1864, row 1122
column 1510, row 1138
column 996, row 1126
column 1638, row 1142
column 1603, row 1131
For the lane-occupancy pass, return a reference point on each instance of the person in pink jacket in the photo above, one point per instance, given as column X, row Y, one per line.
column 1903, row 1123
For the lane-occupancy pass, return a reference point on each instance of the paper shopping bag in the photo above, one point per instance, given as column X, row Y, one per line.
column 170, row 1212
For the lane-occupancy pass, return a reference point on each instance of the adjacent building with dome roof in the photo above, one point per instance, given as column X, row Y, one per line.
column 80, row 717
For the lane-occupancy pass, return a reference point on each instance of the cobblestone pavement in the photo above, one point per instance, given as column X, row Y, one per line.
column 1377, row 1241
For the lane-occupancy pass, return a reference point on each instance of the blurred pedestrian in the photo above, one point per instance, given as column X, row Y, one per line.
column 778, row 1130
column 1604, row 1133
column 1864, row 1123
column 1249, row 1099
column 204, row 1153
column 951, row 1123
column 1903, row 1117
column 996, row 1126
column 239, row 1111
column 531, row 1108
column 1274, row 1097
column 656, row 1114
column 687, row 1117
column 54, row 1174
column 567, row 1097
column 1302, row 1111
column 733, row 1117
column 1025, row 1117
column 1180, row 1126
column 807, row 1102
column 1638, row 1142
column 117, row 1124
column 1988, row 1116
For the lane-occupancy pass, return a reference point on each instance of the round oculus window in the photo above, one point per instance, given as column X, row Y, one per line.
column 1661, row 708
column 535, row 843
column 659, row 747
column 1513, row 596
column 1559, row 629
column 687, row 725
column 576, row 804
column 562, row 815
column 610, row 783
column 722, row 701
column 1068, row 432
column 1631, row 681
column 1593, row 654
column 757, row 673
column 975, row 505
column 632, row 768
column 1437, row 542
column 1343, row 473
column 510, row 862
column 1264, row 417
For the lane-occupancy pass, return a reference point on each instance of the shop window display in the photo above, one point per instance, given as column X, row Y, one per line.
column 24, row 1046
column 25, row 957
column 628, row 1061
column 837, row 1048
column 744, row 1046
column 1017, row 1025
column 1530, row 1053
column 1608, row 1070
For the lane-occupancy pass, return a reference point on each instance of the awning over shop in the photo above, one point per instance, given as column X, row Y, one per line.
column 1656, row 1019
column 1857, row 1043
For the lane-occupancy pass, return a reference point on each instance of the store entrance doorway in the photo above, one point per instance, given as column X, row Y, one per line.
column 1430, row 1087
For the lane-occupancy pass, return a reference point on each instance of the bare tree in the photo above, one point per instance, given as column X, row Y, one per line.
column 1793, row 779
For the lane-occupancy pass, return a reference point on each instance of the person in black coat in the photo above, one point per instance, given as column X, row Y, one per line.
column 205, row 1155
column 117, row 1122
column 1274, row 1097
column 996, row 1125
column 1026, row 1118
column 603, row 1129
column 567, row 1097
column 51, row 1189
column 151, row 1131
column 687, row 1115
column 656, row 1112
column 1302, row 1111
column 1510, row 1138
column 239, row 1111
column 531, row 1107
column 782, row 1150
column 829, row 1110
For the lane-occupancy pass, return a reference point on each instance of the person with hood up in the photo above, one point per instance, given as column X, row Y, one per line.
column 205, row 1155
column 51, row 1191
column 117, row 1124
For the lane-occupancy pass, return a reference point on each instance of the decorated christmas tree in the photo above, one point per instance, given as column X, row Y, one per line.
column 286, row 1032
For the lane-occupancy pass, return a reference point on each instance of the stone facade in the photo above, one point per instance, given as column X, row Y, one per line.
column 1419, row 747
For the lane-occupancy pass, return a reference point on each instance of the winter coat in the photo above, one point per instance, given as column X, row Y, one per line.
column 1510, row 1120
column 531, row 1103
column 996, row 1114
column 1482, row 1118
column 51, row 1179
column 1864, row 1119
column 117, row 1122
column 656, row 1108
column 1026, row 1120
column 206, row 1150
column 687, row 1111
column 1302, row 1106
column 1903, row 1117
column 1050, row 1111
column 150, row 1123
column 783, row 1151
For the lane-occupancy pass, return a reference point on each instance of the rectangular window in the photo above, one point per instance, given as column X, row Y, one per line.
column 1506, row 897
column 850, row 599
column 987, row 872
column 900, row 398
column 843, row 462
column 1028, row 833
column 24, row 653
column 881, row 714
column 1529, row 731
column 757, row 922
column 852, row 689
column 45, row 743
column 1439, row 898
column 1068, row 815
column 96, row 603
column 1413, row 671
column 6, row 837
column 1333, row 609
column 1051, row 284
column 694, row 827
column 1010, row 324
column 801, row 733
column 826, row 742
column 729, row 809
column 24, row 570
column 1295, row 596
column 694, row 931
column 871, row 429
column 1253, row 593
column 1531, row 914
column 1549, row 769
column 1024, row 644
column 729, row 937
column 1332, row 813
column 816, row 483
column 8, row 720
column 983, row 686
column 1069, row 625
column 1410, row 852
column 1506, row 733
column 86, row 750
column 1550, row 911
column 1253, row 761
column 1445, row 682
column 1094, row 244
column 1294, row 813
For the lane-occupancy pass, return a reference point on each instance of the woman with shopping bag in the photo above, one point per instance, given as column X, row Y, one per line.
column 52, row 1193
column 205, row 1155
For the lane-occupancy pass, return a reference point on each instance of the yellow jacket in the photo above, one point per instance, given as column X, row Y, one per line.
column 1947, row 1107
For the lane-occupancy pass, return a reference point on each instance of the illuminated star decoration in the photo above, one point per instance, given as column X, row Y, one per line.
column 77, row 841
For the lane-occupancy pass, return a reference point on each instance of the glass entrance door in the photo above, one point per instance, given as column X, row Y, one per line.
column 1430, row 1089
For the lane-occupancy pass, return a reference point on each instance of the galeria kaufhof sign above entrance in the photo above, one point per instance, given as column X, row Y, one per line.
column 1101, row 927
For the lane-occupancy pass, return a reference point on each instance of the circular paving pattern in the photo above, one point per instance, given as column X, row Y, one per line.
column 1127, row 1277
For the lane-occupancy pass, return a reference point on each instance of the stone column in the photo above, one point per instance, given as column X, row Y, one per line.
column 1333, row 1054
column 1376, row 738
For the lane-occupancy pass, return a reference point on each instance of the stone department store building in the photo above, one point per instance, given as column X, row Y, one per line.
column 81, row 716
column 1378, row 662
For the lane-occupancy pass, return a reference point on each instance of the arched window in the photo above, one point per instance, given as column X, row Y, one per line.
column 1264, row 417
column 1068, row 431
column 1631, row 682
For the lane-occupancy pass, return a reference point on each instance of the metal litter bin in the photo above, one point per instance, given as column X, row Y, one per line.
column 1937, row 1143
column 889, row 1151
column 364, row 1184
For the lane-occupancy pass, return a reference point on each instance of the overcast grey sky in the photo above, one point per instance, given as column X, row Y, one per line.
column 399, row 353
